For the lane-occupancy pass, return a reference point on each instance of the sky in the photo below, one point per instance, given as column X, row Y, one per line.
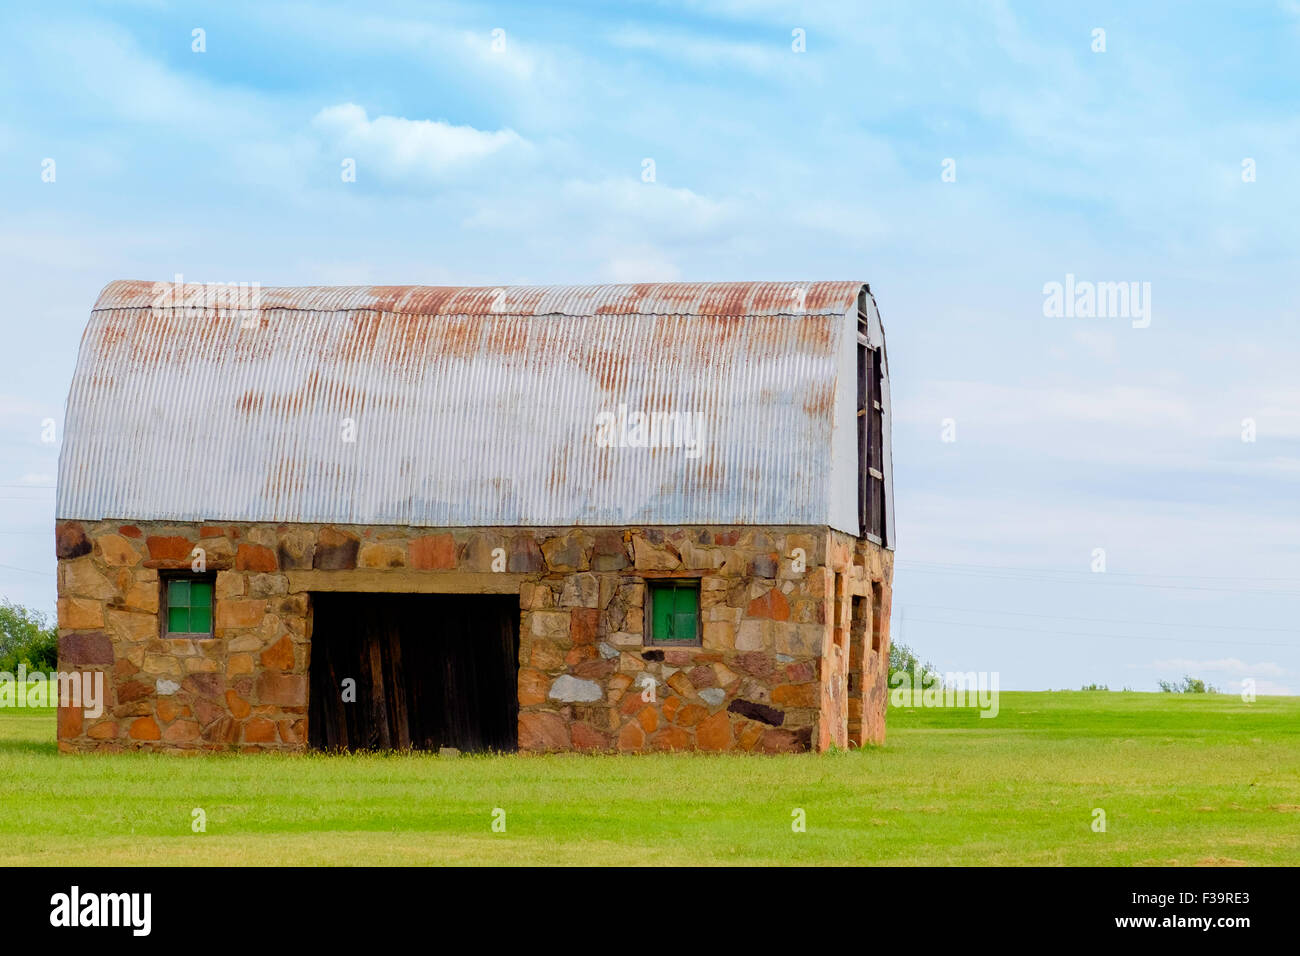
column 1109, row 495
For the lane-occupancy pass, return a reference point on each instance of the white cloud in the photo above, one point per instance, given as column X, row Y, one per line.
column 400, row 146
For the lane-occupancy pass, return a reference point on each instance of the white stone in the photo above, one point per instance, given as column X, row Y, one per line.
column 713, row 696
column 164, row 686
column 570, row 689
column 607, row 651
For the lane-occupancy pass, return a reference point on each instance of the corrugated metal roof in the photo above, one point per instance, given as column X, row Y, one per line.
column 472, row 406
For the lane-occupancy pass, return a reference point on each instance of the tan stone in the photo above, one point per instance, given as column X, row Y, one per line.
column 719, row 635
column 240, row 612
column 552, row 625
column 162, row 665
column 239, row 664
column 533, row 685
column 381, row 555
column 80, row 578
column 533, row 597
column 104, row 730
column 653, row 557
column 132, row 627
column 117, row 551
column 80, row 613
column 201, row 665
column 546, row 656
column 229, row 584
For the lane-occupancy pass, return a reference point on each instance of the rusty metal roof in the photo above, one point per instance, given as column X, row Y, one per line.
column 467, row 406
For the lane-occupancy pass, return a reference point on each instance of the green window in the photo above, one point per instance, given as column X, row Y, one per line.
column 189, row 606
column 675, row 613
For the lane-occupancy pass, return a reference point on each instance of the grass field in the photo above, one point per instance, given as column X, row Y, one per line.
column 1183, row 779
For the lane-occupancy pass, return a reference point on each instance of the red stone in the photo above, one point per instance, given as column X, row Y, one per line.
column 70, row 540
column 714, row 733
column 133, row 690
column 254, row 557
column 631, row 737
column 702, row 676
column 279, row 656
column 771, row 605
column 169, row 548
column 671, row 738
column 70, row 722
column 182, row 731
column 93, row 647
column 586, row 737
column 281, row 689
column 541, row 731
column 259, row 730
column 434, row 552
column 144, row 728
column 129, row 531
column 648, row 718
column 583, row 625
column 797, row 695
column 691, row 715
column 238, row 706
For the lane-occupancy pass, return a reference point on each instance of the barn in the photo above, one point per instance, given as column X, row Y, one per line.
column 608, row 518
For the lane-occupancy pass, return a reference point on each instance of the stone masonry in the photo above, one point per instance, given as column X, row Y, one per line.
column 795, row 626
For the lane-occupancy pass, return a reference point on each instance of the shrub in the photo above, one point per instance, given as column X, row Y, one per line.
column 1188, row 685
column 26, row 637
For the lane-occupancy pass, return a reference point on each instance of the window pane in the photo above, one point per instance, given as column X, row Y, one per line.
column 178, row 593
column 200, row 594
column 687, row 599
column 684, row 627
column 661, row 603
column 200, row 620
column 178, row 619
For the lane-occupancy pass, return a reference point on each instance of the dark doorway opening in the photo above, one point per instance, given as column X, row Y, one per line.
column 430, row 671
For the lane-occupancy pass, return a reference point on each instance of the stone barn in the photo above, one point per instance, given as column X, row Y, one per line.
column 594, row 518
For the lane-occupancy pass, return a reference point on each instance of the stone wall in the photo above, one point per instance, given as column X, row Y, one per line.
column 773, row 672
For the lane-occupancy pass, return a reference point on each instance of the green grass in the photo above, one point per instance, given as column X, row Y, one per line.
column 1183, row 780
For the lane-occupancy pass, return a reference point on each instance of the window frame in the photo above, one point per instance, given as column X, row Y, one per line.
column 648, row 625
column 164, row 580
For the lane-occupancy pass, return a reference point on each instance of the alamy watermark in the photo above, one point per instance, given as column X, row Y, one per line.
column 1084, row 299
column 83, row 689
column 965, row 689
column 624, row 429
column 193, row 298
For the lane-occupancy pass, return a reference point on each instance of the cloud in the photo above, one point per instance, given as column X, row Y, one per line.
column 401, row 147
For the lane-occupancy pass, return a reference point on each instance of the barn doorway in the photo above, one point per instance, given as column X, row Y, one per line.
column 430, row 671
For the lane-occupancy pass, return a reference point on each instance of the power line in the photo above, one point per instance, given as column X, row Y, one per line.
column 10, row 567
column 1108, row 620
column 1101, row 579
column 1130, row 574
column 1113, row 637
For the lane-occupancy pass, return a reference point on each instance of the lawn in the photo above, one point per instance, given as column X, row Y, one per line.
column 1183, row 779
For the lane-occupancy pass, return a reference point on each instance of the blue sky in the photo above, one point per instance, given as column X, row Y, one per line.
column 483, row 165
